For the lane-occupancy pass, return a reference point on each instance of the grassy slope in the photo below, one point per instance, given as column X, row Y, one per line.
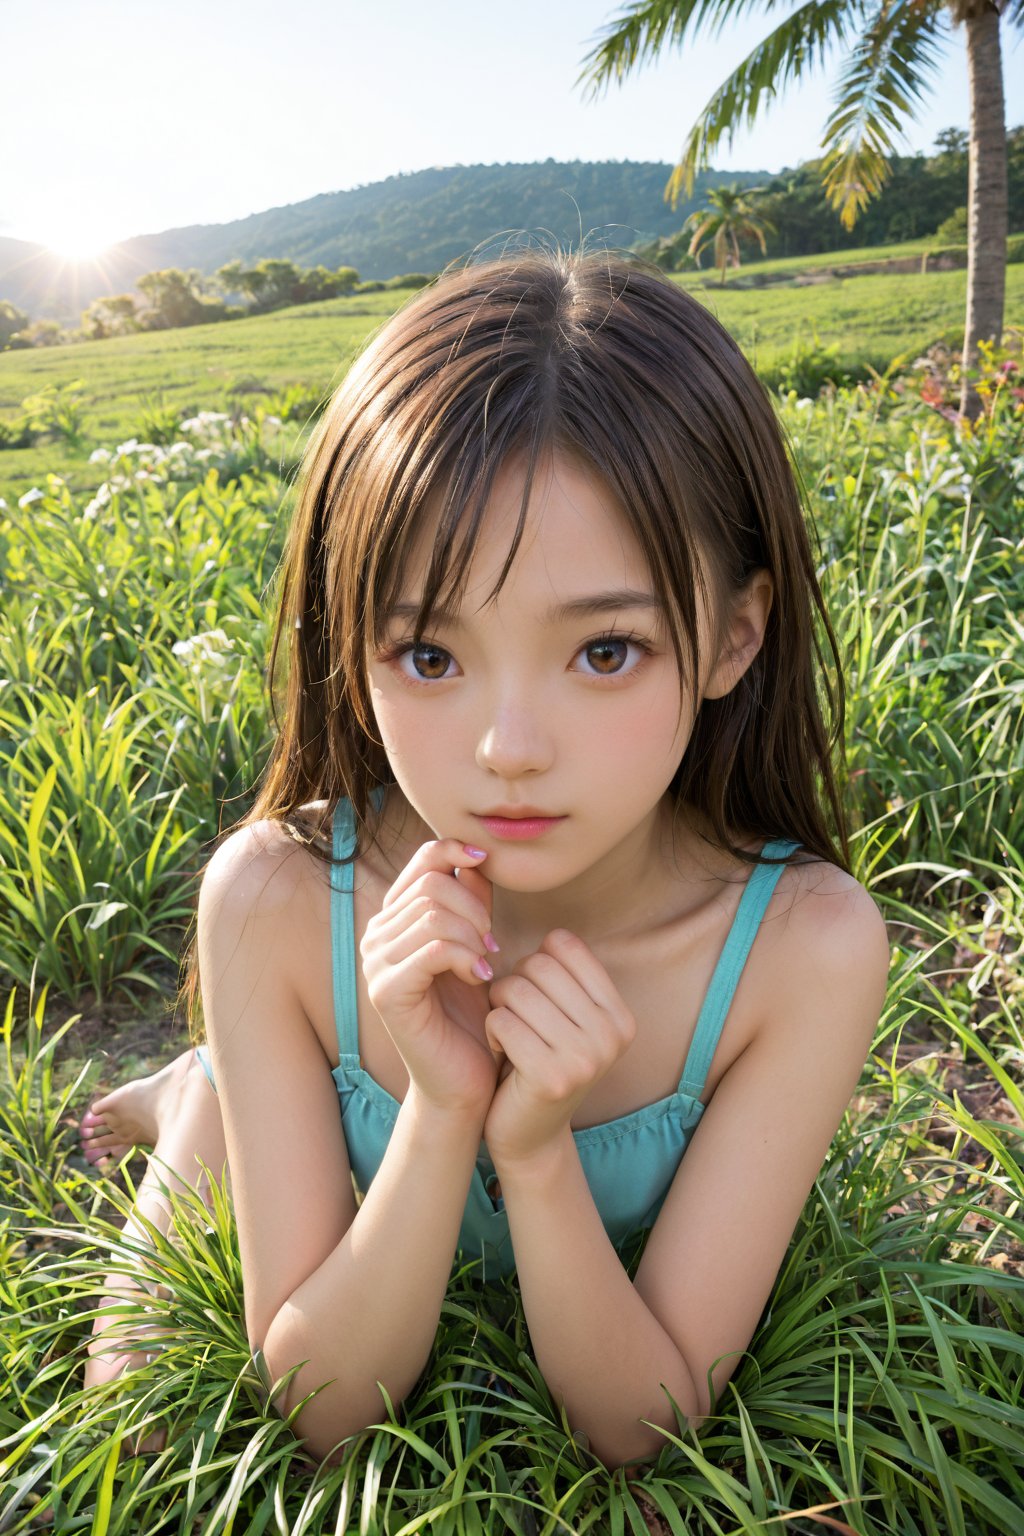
column 873, row 318
column 824, row 259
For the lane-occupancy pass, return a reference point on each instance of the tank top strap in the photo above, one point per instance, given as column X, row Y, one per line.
column 757, row 893
column 343, row 942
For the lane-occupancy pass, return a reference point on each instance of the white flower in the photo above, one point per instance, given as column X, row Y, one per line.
column 97, row 504
column 100, row 456
column 129, row 447
column 210, row 645
column 3, row 505
column 35, row 494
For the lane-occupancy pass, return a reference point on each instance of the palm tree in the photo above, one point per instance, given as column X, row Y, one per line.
column 892, row 48
column 731, row 217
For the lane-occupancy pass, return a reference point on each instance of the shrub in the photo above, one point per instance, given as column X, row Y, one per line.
column 953, row 231
column 158, row 423
column 58, row 409
column 297, row 402
column 809, row 367
column 16, row 434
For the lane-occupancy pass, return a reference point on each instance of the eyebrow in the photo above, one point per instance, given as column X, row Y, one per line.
column 561, row 613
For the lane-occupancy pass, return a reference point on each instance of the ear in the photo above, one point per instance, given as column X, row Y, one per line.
column 744, row 635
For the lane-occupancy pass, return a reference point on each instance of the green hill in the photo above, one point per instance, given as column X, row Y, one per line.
column 407, row 223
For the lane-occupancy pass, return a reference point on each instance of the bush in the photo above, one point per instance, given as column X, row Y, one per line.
column 158, row 423
column 16, row 434
column 953, row 231
column 409, row 280
column 809, row 367
column 297, row 402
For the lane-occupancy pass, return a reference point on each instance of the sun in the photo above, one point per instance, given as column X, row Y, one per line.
column 78, row 244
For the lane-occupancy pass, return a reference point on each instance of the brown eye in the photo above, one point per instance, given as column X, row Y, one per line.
column 613, row 656
column 607, row 656
column 429, row 662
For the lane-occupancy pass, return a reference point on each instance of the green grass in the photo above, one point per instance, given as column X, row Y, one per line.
column 232, row 365
column 884, row 1384
column 874, row 319
column 782, row 265
column 236, row 364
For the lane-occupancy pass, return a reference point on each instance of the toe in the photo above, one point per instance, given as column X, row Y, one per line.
column 144, row 1446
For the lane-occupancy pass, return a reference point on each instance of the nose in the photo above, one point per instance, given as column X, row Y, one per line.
column 515, row 739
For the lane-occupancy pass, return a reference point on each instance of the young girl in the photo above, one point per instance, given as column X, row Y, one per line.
column 540, row 890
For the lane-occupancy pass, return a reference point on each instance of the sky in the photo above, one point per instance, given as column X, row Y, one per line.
column 126, row 117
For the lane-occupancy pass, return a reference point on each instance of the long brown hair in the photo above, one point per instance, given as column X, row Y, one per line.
column 601, row 357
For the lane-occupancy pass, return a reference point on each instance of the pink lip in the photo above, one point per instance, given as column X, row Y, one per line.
column 519, row 828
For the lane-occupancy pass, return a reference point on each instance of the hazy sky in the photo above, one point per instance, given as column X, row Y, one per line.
column 122, row 117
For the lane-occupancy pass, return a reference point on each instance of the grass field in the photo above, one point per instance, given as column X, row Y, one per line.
column 883, row 1388
column 797, row 266
column 233, row 365
column 875, row 319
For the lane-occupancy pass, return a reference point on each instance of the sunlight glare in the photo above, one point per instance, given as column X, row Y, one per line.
column 78, row 244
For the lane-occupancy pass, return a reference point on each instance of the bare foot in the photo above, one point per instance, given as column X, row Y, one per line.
column 129, row 1116
column 109, row 1359
column 106, row 1367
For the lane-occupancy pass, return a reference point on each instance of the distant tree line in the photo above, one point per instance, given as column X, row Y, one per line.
column 925, row 196
column 172, row 298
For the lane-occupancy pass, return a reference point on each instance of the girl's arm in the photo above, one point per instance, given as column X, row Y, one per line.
column 606, row 1346
column 357, row 1293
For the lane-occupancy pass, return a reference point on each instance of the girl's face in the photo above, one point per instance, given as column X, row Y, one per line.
column 560, row 699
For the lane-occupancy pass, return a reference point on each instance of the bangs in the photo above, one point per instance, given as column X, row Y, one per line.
column 447, row 508
column 497, row 366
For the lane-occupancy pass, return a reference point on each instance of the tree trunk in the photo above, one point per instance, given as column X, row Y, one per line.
column 987, row 195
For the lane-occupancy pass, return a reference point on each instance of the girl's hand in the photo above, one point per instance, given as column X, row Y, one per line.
column 561, row 1023
column 426, row 969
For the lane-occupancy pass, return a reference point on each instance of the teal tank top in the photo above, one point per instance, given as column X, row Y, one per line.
column 629, row 1163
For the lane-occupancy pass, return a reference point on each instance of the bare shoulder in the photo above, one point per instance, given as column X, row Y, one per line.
column 263, row 870
column 827, row 939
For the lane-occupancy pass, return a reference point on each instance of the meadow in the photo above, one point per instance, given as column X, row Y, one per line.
column 843, row 327
column 883, row 1390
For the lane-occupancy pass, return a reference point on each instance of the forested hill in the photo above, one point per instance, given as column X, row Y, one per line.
column 408, row 223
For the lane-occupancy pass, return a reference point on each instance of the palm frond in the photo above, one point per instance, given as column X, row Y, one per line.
column 642, row 29
column 798, row 45
column 885, row 76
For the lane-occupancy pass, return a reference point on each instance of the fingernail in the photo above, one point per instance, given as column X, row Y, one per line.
column 474, row 853
column 491, row 943
column 482, row 969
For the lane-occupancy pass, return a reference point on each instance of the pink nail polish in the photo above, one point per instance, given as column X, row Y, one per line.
column 491, row 943
column 474, row 853
column 482, row 969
